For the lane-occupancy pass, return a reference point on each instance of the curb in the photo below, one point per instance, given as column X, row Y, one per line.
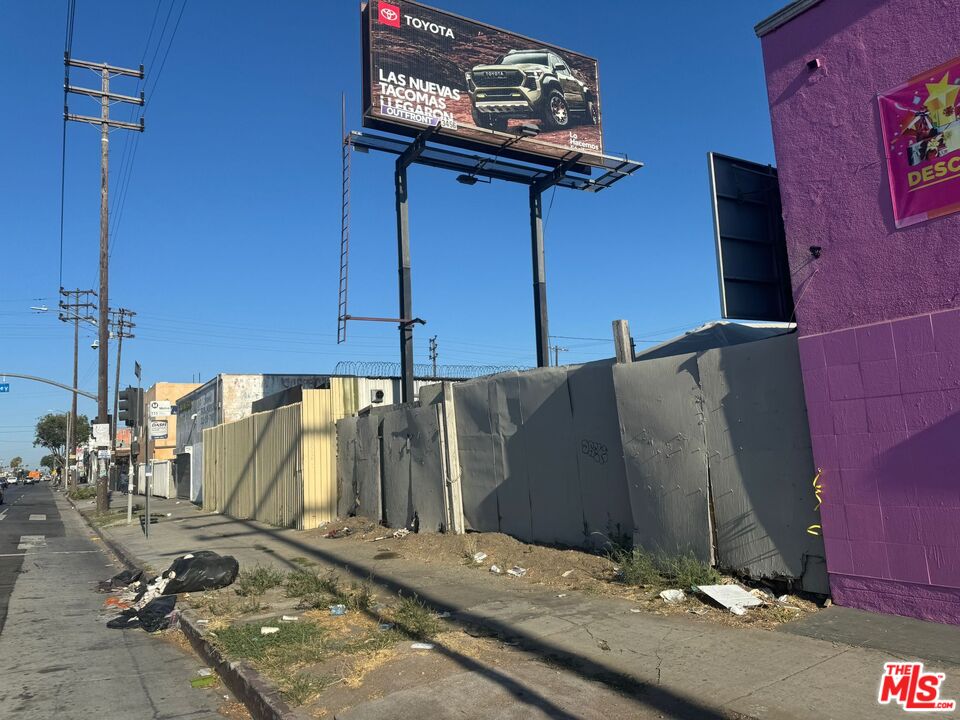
column 260, row 697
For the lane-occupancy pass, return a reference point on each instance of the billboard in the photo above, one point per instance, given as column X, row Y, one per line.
column 750, row 240
column 477, row 84
column 921, row 133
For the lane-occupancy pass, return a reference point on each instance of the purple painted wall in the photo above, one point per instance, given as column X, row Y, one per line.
column 877, row 312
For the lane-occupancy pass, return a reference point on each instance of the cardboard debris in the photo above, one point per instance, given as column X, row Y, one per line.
column 479, row 557
column 733, row 597
column 517, row 571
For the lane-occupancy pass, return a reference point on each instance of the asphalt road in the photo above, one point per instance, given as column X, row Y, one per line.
column 58, row 657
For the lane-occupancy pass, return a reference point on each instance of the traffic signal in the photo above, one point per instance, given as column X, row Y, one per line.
column 131, row 406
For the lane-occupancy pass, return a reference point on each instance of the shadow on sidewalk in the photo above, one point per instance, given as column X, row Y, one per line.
column 643, row 693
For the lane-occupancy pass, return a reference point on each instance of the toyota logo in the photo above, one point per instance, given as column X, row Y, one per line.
column 389, row 14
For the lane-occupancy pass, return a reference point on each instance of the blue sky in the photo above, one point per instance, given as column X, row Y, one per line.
column 227, row 244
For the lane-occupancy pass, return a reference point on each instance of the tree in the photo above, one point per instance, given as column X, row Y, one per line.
column 16, row 462
column 52, row 434
column 49, row 462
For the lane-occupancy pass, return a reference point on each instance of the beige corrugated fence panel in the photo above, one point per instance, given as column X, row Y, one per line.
column 279, row 466
column 321, row 410
column 277, row 453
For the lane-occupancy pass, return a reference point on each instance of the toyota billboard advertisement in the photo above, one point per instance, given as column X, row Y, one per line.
column 424, row 67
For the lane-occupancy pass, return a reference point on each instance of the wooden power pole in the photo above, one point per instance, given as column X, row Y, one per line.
column 121, row 326
column 105, row 123
column 71, row 311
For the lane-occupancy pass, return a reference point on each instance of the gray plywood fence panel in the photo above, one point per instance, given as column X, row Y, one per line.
column 348, row 500
column 395, row 457
column 761, row 464
column 659, row 405
column 605, row 502
column 368, row 473
column 426, row 471
column 513, row 490
column 480, row 454
column 544, row 477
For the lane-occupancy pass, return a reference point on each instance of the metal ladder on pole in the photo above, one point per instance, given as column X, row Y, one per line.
column 344, row 226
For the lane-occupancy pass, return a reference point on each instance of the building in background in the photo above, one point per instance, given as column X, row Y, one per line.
column 230, row 397
column 872, row 235
column 161, row 449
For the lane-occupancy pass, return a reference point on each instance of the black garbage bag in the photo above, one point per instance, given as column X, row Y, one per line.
column 204, row 570
column 125, row 577
column 154, row 614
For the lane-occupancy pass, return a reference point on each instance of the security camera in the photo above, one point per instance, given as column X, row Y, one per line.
column 95, row 344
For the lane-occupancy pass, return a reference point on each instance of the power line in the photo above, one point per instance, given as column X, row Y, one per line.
column 125, row 179
column 67, row 49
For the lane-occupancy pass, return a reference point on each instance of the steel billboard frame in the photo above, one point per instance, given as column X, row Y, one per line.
column 494, row 167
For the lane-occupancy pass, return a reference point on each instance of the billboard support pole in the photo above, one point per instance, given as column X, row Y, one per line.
column 540, row 318
column 539, row 278
column 406, row 158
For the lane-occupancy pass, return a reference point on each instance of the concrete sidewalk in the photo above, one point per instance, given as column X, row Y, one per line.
column 676, row 667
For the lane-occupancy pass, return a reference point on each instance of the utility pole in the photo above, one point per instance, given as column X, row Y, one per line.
column 71, row 311
column 433, row 354
column 120, row 326
column 105, row 123
column 556, row 354
column 623, row 342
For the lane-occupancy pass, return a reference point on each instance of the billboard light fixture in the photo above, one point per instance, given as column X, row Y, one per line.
column 529, row 130
column 467, row 179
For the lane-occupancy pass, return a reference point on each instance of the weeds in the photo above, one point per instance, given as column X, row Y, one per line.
column 293, row 642
column 82, row 493
column 302, row 561
column 302, row 688
column 257, row 581
column 305, row 583
column 415, row 619
column 639, row 567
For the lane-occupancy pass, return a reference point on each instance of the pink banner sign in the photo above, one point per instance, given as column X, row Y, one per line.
column 921, row 133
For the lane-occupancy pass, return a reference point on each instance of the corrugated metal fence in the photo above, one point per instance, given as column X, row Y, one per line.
column 279, row 467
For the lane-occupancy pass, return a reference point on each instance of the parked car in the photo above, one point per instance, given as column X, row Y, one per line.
column 530, row 84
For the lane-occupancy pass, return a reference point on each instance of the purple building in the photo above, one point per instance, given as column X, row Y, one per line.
column 877, row 305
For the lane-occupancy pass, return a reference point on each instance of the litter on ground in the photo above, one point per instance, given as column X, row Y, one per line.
column 673, row 596
column 517, row 571
column 338, row 609
column 733, row 597
column 479, row 557
column 266, row 630
column 421, row 646
column 495, row 569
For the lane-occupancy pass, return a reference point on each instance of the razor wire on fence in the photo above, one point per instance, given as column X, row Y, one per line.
column 376, row 368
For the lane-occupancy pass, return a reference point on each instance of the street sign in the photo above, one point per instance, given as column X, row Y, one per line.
column 158, row 429
column 4, row 387
column 159, row 408
column 136, row 369
column 103, row 454
column 101, row 434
